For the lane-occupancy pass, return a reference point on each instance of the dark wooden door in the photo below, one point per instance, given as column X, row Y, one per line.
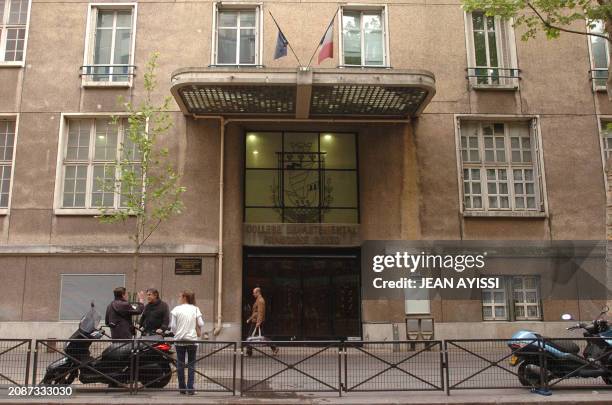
column 308, row 296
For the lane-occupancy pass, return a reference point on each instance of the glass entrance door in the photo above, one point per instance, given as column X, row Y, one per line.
column 308, row 295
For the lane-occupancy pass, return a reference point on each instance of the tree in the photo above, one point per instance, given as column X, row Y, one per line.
column 148, row 185
column 551, row 17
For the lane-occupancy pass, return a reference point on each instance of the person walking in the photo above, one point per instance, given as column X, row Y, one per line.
column 155, row 318
column 257, row 318
column 185, row 320
column 119, row 314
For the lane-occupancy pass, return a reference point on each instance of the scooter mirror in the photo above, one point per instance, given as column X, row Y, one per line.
column 566, row 317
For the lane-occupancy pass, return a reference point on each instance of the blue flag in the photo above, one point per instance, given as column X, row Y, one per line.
column 281, row 45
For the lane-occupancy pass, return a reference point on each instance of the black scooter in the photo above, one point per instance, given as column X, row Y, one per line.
column 563, row 358
column 115, row 365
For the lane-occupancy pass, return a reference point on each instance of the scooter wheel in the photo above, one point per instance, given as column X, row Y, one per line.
column 525, row 379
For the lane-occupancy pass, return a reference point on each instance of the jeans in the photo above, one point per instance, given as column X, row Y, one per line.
column 181, row 351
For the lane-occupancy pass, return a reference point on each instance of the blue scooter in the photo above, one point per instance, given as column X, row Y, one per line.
column 562, row 358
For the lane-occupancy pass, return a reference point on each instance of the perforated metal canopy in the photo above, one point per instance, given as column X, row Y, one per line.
column 325, row 93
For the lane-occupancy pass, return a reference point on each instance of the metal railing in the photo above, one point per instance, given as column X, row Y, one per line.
column 139, row 365
column 293, row 366
column 107, row 73
column 599, row 77
column 15, row 361
column 393, row 366
column 134, row 365
column 484, row 363
column 493, row 76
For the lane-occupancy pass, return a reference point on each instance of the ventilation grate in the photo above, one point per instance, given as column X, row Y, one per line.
column 239, row 99
column 366, row 100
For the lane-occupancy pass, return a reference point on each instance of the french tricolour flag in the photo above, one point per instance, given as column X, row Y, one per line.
column 327, row 43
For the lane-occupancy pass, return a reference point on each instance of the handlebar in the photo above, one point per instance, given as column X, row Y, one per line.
column 580, row 325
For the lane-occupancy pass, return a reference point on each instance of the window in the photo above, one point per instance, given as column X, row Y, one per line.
column 78, row 291
column 494, row 303
column 91, row 148
column 110, row 44
column 599, row 56
column 526, row 297
column 13, row 26
column 7, row 151
column 301, row 177
column 237, row 36
column 525, row 293
column 606, row 138
column 500, row 169
column 363, row 37
column 491, row 52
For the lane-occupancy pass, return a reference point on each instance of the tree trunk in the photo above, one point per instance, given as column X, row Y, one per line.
column 135, row 265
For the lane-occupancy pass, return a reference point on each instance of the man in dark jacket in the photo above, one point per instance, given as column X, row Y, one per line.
column 119, row 314
column 156, row 315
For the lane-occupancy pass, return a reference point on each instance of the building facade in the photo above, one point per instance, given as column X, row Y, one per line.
column 428, row 123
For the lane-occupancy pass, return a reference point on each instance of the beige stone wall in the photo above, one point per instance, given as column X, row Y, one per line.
column 408, row 173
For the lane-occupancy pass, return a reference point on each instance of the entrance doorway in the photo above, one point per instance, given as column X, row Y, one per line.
column 310, row 294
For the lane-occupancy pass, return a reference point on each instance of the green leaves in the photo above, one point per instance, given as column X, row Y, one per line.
column 147, row 183
column 548, row 16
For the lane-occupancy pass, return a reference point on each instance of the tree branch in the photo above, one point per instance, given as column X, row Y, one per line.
column 549, row 25
column 159, row 221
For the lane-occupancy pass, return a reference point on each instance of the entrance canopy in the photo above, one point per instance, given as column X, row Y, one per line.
column 303, row 93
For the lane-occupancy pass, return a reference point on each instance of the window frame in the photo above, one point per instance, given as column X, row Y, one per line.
column 58, row 209
column 537, row 164
column 509, row 304
column 21, row 63
column 510, row 84
column 601, row 121
column 89, row 48
column 383, row 9
column 11, row 117
column 283, row 133
column 259, row 32
column 594, row 87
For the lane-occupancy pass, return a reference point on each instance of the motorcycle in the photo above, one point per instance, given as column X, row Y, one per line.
column 562, row 358
column 114, row 365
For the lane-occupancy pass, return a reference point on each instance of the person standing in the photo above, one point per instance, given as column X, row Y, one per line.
column 184, row 322
column 119, row 314
column 258, row 317
column 155, row 318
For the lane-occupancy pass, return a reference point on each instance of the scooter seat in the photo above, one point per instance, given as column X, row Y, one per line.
column 566, row 346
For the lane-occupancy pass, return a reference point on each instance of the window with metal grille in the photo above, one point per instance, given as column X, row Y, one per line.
column 491, row 51
column 301, row 177
column 13, row 27
column 500, row 169
column 91, row 149
column 600, row 57
column 110, row 43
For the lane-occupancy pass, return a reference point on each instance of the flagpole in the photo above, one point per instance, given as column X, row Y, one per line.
column 288, row 43
column 326, row 28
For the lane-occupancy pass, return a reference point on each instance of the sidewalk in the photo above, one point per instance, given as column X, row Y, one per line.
column 467, row 397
